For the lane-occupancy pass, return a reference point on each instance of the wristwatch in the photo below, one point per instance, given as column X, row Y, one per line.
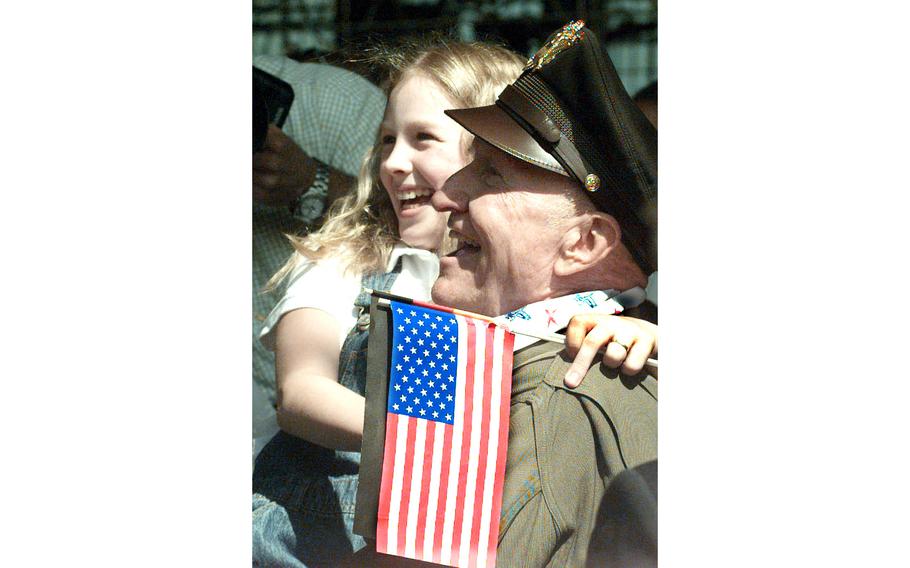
column 311, row 203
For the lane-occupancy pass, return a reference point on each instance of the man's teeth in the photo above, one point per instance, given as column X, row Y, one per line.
column 462, row 241
column 405, row 195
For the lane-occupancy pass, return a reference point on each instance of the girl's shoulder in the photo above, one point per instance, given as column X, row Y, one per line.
column 318, row 284
column 330, row 270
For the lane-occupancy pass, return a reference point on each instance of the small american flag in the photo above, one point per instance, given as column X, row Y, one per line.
column 446, row 433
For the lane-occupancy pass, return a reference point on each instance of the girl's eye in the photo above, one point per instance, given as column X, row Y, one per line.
column 423, row 136
column 388, row 139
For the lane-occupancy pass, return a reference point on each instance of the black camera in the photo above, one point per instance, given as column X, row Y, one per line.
column 272, row 100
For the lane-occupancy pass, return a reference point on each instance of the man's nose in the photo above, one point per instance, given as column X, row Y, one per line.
column 451, row 197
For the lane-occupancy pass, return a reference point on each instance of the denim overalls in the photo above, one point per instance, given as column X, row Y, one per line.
column 303, row 493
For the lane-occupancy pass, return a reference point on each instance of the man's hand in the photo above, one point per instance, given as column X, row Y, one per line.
column 629, row 342
column 281, row 171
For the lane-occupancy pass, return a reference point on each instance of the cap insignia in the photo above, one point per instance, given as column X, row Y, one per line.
column 568, row 36
column 592, row 182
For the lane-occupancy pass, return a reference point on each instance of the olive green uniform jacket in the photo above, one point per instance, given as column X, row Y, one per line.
column 565, row 445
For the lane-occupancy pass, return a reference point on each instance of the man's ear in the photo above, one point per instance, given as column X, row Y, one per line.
column 588, row 242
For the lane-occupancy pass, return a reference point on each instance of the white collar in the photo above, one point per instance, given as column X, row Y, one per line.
column 421, row 255
column 553, row 314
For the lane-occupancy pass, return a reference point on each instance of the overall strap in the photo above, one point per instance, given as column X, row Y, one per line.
column 375, row 281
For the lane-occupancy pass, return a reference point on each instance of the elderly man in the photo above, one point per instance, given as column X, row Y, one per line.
column 557, row 210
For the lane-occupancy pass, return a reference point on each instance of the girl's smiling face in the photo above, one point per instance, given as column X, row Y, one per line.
column 421, row 148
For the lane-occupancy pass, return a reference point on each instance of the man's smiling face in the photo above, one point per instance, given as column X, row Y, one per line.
column 505, row 214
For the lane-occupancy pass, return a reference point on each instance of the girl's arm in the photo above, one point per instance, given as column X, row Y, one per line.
column 311, row 403
column 587, row 333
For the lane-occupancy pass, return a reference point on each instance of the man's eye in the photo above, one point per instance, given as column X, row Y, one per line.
column 492, row 177
column 424, row 136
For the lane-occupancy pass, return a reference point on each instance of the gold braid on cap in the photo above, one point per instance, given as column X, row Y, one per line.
column 569, row 35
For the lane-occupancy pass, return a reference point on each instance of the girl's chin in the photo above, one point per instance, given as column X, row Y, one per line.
column 421, row 237
column 410, row 211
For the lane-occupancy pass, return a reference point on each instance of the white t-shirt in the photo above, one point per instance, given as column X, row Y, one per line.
column 323, row 285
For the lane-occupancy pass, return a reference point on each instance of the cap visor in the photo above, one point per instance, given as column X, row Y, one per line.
column 496, row 127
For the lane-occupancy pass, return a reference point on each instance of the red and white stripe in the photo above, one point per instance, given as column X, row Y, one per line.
column 441, row 490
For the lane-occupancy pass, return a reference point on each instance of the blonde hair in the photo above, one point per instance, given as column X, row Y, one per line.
column 361, row 228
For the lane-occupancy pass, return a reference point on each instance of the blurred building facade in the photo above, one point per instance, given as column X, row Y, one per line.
column 304, row 29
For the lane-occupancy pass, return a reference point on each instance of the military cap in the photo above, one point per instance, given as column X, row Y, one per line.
column 569, row 113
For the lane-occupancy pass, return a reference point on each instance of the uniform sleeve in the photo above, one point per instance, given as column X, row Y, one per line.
column 321, row 286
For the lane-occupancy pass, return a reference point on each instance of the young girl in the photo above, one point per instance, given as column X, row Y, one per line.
column 385, row 238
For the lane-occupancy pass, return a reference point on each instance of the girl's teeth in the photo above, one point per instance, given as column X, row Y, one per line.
column 404, row 196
